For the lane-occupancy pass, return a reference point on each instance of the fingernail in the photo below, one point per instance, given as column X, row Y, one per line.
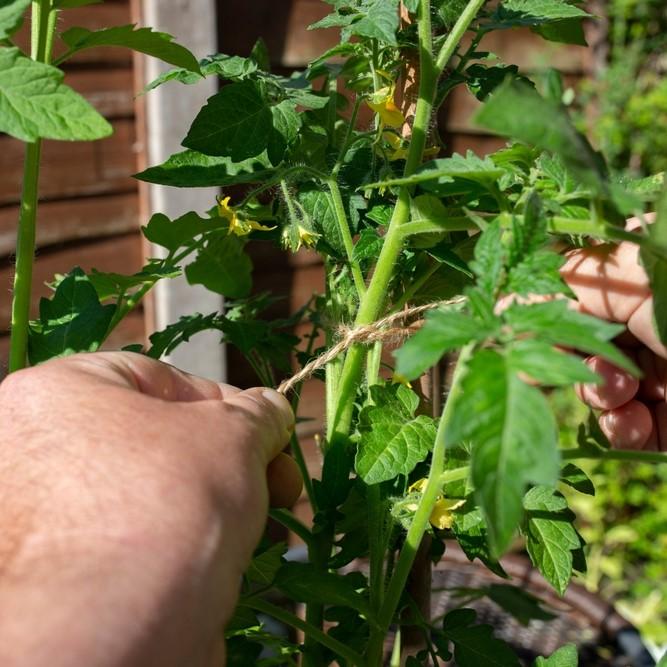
column 283, row 406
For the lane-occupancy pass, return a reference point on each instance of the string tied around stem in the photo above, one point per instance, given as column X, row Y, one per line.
column 392, row 328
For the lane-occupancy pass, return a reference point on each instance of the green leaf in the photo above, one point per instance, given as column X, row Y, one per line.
column 241, row 651
column 168, row 339
column 569, row 31
column 234, row 123
column 111, row 285
column 550, row 536
column 191, row 169
column 475, row 645
column 380, row 21
column 554, row 322
column 469, row 168
column 222, row 267
column 319, row 207
column 565, row 656
column 145, row 40
column 549, row 366
column 286, row 125
column 34, row 103
column 73, row 320
column 181, row 75
column 513, row 436
column 11, row 16
column 229, row 68
column 429, row 215
column 518, row 111
column 482, row 80
column 445, row 329
column 306, row 583
column 518, row 602
column 537, row 274
column 489, row 260
column 265, row 565
column 255, row 335
column 649, row 188
column 576, row 478
column 175, row 234
column 472, row 536
column 368, row 246
column 334, row 20
column 392, row 440
column 556, row 20
column 656, row 267
column 529, row 231
column 260, row 55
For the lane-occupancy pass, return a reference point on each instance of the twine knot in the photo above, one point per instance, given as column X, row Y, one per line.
column 384, row 330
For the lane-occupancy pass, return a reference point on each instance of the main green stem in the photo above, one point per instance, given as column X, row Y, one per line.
column 43, row 26
column 372, row 304
column 422, row 515
column 374, row 300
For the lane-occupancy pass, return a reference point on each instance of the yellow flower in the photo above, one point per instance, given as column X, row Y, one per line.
column 442, row 516
column 308, row 237
column 418, row 486
column 382, row 102
column 237, row 225
column 397, row 378
column 297, row 235
column 398, row 148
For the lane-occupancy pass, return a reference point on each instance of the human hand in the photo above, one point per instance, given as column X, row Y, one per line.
column 610, row 283
column 133, row 497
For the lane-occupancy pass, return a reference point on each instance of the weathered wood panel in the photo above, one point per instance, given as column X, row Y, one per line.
column 110, row 91
column 121, row 254
column 71, row 169
column 74, row 219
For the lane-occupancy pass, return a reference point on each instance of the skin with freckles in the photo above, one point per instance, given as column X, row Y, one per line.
column 610, row 283
column 133, row 496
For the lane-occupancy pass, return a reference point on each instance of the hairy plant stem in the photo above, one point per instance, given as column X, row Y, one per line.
column 456, row 34
column 43, row 27
column 373, row 303
column 421, row 519
column 293, row 621
column 346, row 235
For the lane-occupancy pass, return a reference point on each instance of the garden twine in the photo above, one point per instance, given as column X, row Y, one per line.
column 384, row 330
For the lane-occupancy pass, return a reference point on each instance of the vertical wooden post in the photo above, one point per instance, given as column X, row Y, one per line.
column 167, row 113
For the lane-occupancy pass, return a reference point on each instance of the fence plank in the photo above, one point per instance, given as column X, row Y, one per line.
column 74, row 219
column 110, row 91
column 77, row 168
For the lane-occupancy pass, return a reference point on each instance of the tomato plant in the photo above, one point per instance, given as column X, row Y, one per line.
column 396, row 226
